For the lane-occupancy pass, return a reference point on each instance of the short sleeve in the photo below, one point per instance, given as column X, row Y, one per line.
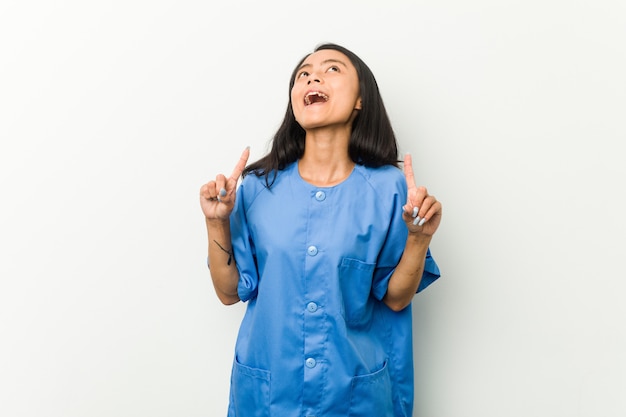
column 243, row 248
column 394, row 243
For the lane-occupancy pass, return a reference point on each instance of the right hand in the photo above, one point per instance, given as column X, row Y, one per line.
column 217, row 197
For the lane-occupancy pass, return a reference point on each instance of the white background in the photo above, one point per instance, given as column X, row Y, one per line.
column 112, row 115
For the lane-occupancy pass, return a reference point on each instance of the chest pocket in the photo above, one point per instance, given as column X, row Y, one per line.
column 355, row 280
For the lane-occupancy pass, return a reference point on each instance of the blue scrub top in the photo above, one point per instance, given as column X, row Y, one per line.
column 314, row 265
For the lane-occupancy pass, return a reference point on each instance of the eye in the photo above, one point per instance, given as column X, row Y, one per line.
column 302, row 74
column 334, row 68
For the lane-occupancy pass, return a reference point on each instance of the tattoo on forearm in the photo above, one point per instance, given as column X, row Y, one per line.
column 229, row 252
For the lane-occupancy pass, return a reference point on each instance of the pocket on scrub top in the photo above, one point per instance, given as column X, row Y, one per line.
column 355, row 280
column 250, row 391
column 371, row 395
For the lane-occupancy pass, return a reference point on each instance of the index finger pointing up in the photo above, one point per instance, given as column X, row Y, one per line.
column 241, row 164
column 408, row 171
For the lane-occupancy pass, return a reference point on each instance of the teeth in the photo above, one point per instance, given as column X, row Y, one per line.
column 307, row 98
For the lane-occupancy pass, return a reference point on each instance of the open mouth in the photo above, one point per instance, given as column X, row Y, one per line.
column 315, row 97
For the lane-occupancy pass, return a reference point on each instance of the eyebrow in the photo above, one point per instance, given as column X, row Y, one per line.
column 326, row 61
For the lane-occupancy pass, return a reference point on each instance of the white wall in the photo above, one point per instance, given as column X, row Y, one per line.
column 112, row 114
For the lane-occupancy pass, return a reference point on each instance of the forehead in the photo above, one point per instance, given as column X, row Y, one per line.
column 327, row 55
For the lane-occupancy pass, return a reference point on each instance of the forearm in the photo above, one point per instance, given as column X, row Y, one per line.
column 407, row 276
column 222, row 261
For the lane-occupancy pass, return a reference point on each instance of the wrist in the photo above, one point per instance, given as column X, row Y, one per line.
column 418, row 239
column 218, row 223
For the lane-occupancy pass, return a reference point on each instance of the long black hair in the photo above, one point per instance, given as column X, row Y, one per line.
column 372, row 141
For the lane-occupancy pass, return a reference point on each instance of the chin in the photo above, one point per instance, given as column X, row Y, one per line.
column 308, row 123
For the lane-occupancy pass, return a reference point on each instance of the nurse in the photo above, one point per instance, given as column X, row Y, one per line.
column 327, row 241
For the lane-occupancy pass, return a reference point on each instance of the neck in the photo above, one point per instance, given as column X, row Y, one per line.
column 325, row 161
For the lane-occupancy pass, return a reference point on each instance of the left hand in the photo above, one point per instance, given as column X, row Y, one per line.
column 422, row 212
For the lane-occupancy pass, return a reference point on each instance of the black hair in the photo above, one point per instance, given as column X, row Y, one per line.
column 372, row 141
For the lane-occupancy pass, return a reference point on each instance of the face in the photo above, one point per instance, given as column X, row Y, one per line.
column 326, row 91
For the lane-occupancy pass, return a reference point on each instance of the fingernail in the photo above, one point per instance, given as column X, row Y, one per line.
column 415, row 211
column 421, row 223
column 223, row 192
column 416, row 221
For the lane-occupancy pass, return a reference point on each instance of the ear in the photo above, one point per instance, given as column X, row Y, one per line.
column 358, row 105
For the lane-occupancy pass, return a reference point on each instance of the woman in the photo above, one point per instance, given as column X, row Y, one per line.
column 327, row 241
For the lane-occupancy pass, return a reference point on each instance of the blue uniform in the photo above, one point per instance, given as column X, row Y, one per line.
column 314, row 264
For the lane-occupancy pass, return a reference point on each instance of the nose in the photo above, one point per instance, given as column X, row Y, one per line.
column 314, row 77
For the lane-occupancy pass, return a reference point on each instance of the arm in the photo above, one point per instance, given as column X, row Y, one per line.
column 407, row 276
column 217, row 200
column 222, row 263
column 422, row 215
